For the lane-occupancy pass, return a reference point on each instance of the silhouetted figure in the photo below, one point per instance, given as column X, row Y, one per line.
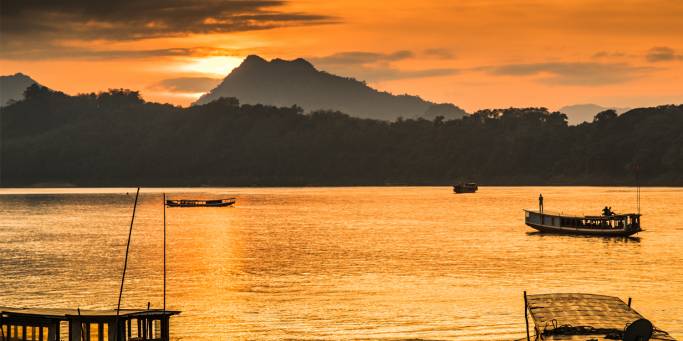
column 540, row 203
column 607, row 211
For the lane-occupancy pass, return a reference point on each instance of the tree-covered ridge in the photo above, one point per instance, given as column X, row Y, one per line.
column 115, row 138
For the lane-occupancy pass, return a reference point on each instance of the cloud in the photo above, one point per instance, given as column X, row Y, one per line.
column 53, row 52
column 577, row 73
column 389, row 73
column 608, row 54
column 28, row 24
column 362, row 58
column 662, row 54
column 375, row 66
column 188, row 84
column 439, row 53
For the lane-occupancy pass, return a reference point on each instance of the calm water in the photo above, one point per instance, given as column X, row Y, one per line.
column 337, row 263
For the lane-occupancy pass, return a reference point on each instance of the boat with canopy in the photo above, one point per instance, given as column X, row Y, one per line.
column 609, row 224
column 614, row 225
column 200, row 202
column 581, row 317
column 469, row 187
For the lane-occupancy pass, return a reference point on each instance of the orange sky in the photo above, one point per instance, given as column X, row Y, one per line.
column 475, row 54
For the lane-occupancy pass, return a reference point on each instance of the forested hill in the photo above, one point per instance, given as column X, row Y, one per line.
column 117, row 139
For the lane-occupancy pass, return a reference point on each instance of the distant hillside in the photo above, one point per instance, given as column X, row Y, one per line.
column 13, row 87
column 298, row 82
column 115, row 138
column 579, row 113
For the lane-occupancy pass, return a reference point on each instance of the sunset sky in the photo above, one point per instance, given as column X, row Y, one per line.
column 475, row 54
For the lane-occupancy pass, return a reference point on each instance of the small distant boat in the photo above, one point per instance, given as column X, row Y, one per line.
column 469, row 187
column 200, row 203
column 578, row 316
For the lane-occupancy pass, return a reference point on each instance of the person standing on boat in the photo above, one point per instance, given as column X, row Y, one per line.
column 540, row 202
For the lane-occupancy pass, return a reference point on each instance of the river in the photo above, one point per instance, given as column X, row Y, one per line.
column 337, row 263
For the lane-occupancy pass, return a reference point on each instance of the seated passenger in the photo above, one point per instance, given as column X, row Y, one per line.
column 607, row 211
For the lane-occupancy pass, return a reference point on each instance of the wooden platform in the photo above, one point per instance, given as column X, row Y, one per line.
column 582, row 317
column 53, row 324
column 62, row 314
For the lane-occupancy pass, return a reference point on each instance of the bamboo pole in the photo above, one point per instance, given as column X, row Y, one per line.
column 125, row 261
column 526, row 317
column 164, row 203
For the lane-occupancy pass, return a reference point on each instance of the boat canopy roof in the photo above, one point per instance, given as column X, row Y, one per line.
column 593, row 217
column 65, row 314
column 598, row 312
column 201, row 200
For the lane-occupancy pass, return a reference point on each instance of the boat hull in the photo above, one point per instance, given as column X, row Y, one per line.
column 583, row 231
column 465, row 188
column 200, row 203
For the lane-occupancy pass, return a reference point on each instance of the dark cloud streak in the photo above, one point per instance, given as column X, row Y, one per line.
column 439, row 53
column 375, row 66
column 361, row 57
column 60, row 52
column 28, row 24
column 662, row 54
column 577, row 73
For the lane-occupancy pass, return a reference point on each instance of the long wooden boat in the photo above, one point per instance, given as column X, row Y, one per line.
column 615, row 225
column 200, row 203
column 469, row 187
column 578, row 316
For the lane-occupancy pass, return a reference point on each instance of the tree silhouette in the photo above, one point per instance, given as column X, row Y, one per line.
column 115, row 138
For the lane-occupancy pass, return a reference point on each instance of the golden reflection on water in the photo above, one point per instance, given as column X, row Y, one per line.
column 337, row 263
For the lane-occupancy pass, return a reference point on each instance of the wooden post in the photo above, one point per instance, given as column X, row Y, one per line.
column 629, row 302
column 112, row 330
column 526, row 318
column 74, row 330
column 164, row 294
column 165, row 335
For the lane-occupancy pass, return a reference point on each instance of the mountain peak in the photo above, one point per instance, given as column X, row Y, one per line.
column 282, row 82
column 297, row 63
column 253, row 59
column 256, row 61
column 584, row 112
column 12, row 87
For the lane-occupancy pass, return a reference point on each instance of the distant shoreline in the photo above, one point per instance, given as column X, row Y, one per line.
column 47, row 186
